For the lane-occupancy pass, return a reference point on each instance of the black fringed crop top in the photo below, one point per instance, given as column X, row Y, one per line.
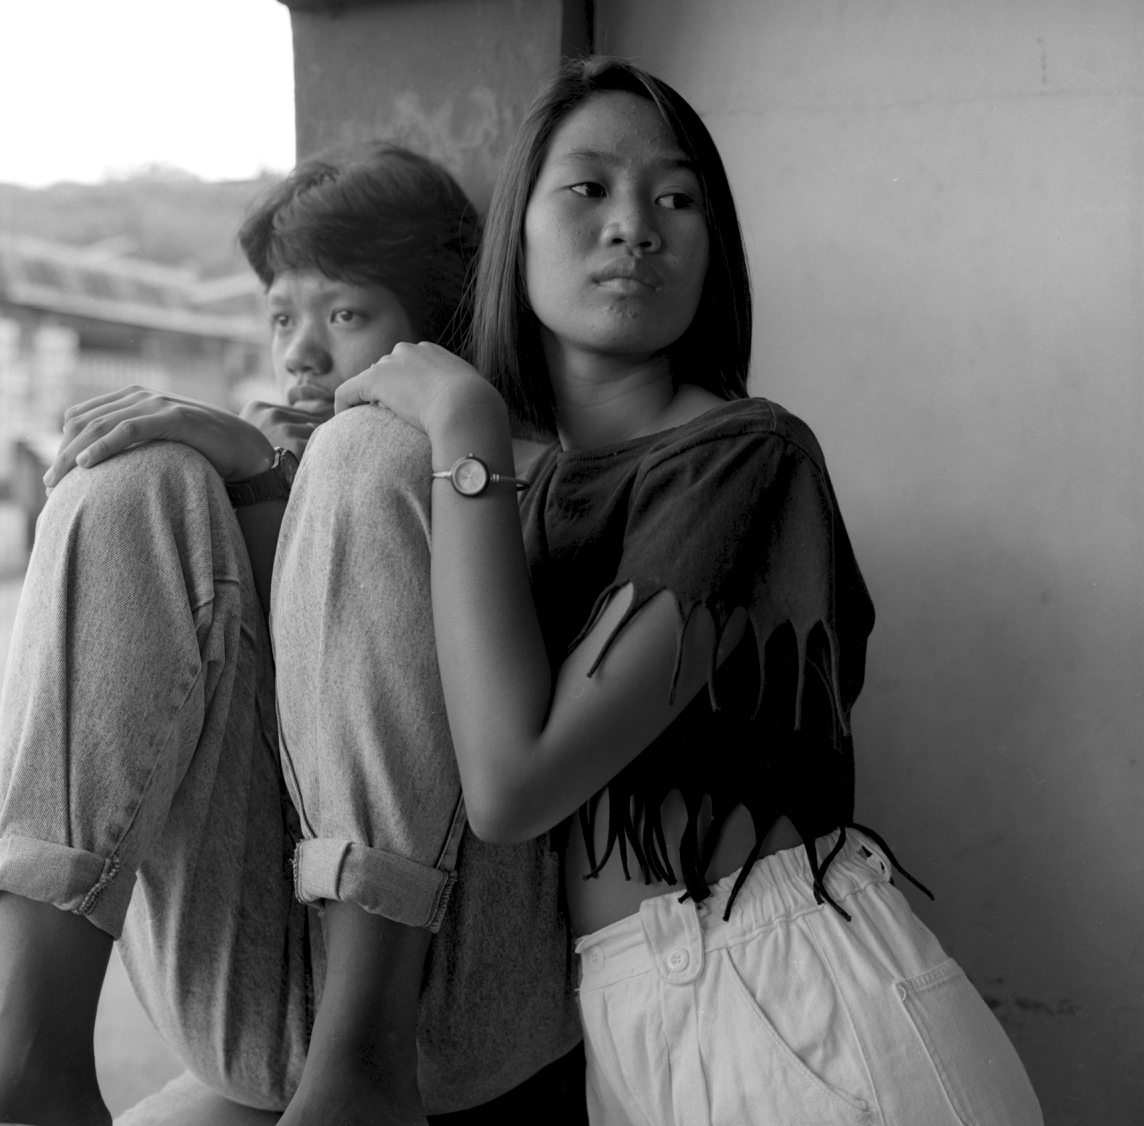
column 732, row 509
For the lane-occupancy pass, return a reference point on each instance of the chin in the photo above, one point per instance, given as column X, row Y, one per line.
column 636, row 344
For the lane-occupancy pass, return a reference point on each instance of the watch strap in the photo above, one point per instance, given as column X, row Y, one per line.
column 273, row 484
column 491, row 478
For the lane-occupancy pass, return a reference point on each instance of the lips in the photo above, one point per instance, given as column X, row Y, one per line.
column 628, row 273
column 301, row 392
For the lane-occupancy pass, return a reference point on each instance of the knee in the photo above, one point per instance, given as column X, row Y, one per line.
column 150, row 474
column 369, row 446
column 156, row 493
column 360, row 504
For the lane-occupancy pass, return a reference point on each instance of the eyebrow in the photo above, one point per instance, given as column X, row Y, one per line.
column 327, row 292
column 612, row 159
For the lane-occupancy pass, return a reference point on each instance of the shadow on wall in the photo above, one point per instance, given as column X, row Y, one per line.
column 998, row 752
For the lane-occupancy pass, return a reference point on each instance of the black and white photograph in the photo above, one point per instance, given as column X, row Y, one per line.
column 575, row 562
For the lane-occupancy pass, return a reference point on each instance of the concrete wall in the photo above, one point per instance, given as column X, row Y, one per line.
column 449, row 78
column 943, row 208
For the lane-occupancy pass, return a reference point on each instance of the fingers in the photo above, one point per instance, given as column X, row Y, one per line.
column 109, row 424
column 99, row 438
column 272, row 414
column 408, row 381
column 89, row 405
column 350, row 394
column 82, row 425
column 276, row 421
column 76, row 417
column 252, row 408
column 379, row 382
column 138, row 399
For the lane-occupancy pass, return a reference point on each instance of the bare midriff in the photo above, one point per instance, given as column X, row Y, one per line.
column 603, row 899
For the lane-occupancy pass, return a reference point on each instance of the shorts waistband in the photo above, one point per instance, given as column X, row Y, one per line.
column 674, row 937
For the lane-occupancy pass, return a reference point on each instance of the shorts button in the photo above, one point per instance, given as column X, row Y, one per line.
column 677, row 959
column 594, row 959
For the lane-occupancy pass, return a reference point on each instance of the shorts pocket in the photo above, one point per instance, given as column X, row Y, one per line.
column 978, row 1067
column 752, row 1062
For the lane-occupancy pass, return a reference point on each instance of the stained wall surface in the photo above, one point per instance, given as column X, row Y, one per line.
column 943, row 209
column 449, row 78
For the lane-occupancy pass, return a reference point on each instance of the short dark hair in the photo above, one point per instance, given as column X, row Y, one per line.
column 714, row 351
column 376, row 214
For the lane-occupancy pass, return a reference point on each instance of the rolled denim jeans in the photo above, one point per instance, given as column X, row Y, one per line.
column 369, row 762
column 366, row 748
column 140, row 783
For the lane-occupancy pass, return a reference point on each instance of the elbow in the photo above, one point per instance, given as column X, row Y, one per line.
column 494, row 832
column 494, row 820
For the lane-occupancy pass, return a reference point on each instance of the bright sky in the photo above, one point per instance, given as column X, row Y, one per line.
column 92, row 87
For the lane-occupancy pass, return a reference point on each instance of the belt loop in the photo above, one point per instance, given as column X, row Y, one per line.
column 674, row 938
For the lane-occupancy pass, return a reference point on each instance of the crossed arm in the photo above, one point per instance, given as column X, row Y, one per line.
column 237, row 446
column 533, row 743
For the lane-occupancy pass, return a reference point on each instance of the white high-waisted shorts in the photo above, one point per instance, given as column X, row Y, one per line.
column 787, row 1014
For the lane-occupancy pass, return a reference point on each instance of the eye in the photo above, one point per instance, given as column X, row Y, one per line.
column 279, row 321
column 345, row 316
column 588, row 189
column 676, row 201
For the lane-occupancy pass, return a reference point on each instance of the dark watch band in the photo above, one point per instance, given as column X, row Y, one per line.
column 274, row 484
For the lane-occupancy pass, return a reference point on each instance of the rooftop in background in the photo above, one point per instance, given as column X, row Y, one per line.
column 97, row 283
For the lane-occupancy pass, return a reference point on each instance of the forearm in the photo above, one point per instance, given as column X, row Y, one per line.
column 494, row 667
column 534, row 742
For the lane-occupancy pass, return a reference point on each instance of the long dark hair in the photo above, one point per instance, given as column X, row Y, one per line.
column 376, row 214
column 715, row 350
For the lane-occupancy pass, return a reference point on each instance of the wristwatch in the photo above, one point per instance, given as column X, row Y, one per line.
column 471, row 476
column 274, row 484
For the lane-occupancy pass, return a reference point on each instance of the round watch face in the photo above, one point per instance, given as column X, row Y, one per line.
column 470, row 476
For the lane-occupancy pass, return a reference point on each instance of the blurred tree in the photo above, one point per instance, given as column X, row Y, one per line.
column 158, row 213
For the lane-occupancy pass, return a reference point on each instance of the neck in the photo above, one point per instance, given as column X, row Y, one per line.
column 604, row 399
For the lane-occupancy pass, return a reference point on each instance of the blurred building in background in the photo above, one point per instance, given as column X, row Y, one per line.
column 76, row 322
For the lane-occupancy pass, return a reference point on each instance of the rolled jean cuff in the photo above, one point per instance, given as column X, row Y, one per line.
column 68, row 878
column 380, row 882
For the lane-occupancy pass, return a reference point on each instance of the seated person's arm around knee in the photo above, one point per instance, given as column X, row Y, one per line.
column 238, row 447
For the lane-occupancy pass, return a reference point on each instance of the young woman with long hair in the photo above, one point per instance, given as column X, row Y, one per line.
column 664, row 662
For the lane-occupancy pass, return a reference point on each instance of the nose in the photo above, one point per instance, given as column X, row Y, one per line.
column 307, row 354
column 632, row 223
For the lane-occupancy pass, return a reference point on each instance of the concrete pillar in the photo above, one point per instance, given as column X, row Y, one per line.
column 449, row 78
